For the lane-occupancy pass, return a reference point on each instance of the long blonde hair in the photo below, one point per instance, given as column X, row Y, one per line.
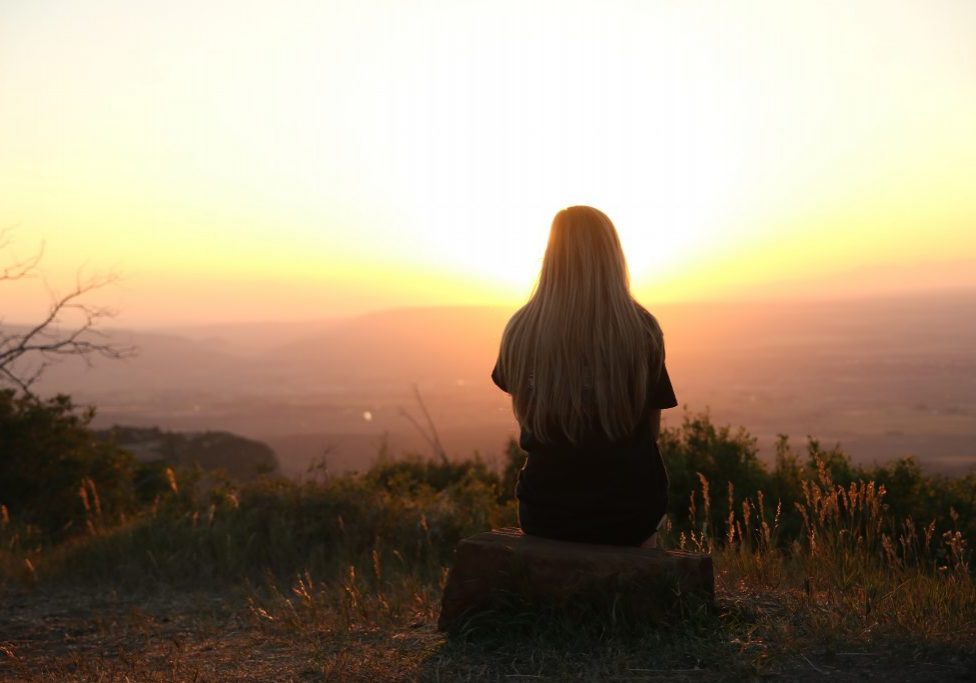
column 578, row 354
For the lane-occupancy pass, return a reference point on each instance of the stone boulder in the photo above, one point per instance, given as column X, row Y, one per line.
column 505, row 566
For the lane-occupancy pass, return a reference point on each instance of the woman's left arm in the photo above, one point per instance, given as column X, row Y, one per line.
column 655, row 423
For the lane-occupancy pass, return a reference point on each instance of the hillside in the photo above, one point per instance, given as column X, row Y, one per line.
column 241, row 459
column 821, row 569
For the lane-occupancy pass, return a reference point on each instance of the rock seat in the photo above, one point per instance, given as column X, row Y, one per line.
column 493, row 567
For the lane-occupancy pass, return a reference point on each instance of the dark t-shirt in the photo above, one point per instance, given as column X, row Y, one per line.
column 599, row 491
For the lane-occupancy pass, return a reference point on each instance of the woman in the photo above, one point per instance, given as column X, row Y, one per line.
column 584, row 363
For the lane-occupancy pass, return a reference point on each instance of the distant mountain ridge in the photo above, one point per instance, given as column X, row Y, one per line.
column 241, row 458
column 890, row 376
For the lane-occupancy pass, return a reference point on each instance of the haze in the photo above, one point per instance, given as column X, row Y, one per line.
column 884, row 377
column 298, row 160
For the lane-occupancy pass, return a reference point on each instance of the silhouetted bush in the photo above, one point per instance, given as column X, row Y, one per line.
column 53, row 474
column 732, row 471
column 55, row 477
column 414, row 474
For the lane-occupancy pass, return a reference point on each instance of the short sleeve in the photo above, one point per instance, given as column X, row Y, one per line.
column 661, row 394
column 496, row 377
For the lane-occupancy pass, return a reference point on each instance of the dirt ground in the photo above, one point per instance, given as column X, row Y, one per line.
column 61, row 635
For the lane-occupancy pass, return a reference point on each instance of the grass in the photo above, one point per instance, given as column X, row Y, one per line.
column 340, row 578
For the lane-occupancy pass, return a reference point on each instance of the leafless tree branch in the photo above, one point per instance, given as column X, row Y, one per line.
column 18, row 269
column 26, row 354
column 430, row 434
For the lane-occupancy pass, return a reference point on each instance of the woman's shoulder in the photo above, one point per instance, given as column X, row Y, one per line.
column 651, row 323
column 515, row 319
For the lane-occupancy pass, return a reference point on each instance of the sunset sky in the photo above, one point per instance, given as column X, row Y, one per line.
column 288, row 160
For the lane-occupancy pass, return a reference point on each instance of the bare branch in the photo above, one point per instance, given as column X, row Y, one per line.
column 50, row 339
column 19, row 268
column 16, row 381
column 5, row 235
column 431, row 437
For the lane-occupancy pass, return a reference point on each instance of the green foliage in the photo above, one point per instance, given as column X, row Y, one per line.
column 846, row 567
column 710, row 466
column 786, row 482
column 60, row 478
column 837, row 463
column 722, row 456
column 53, row 474
column 280, row 527
column 414, row 474
column 151, row 480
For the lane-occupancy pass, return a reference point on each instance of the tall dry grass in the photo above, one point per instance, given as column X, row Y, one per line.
column 836, row 570
column 856, row 574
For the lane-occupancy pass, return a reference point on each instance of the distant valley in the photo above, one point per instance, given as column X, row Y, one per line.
column 884, row 377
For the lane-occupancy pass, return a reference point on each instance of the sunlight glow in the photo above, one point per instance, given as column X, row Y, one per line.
column 299, row 159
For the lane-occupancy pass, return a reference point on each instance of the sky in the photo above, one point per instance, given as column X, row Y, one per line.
column 281, row 160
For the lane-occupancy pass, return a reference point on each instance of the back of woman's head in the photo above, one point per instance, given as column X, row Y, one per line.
column 578, row 354
column 583, row 259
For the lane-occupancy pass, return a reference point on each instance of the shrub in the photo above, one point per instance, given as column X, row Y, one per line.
column 53, row 474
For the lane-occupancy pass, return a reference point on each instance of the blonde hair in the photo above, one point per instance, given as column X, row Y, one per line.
column 580, row 336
